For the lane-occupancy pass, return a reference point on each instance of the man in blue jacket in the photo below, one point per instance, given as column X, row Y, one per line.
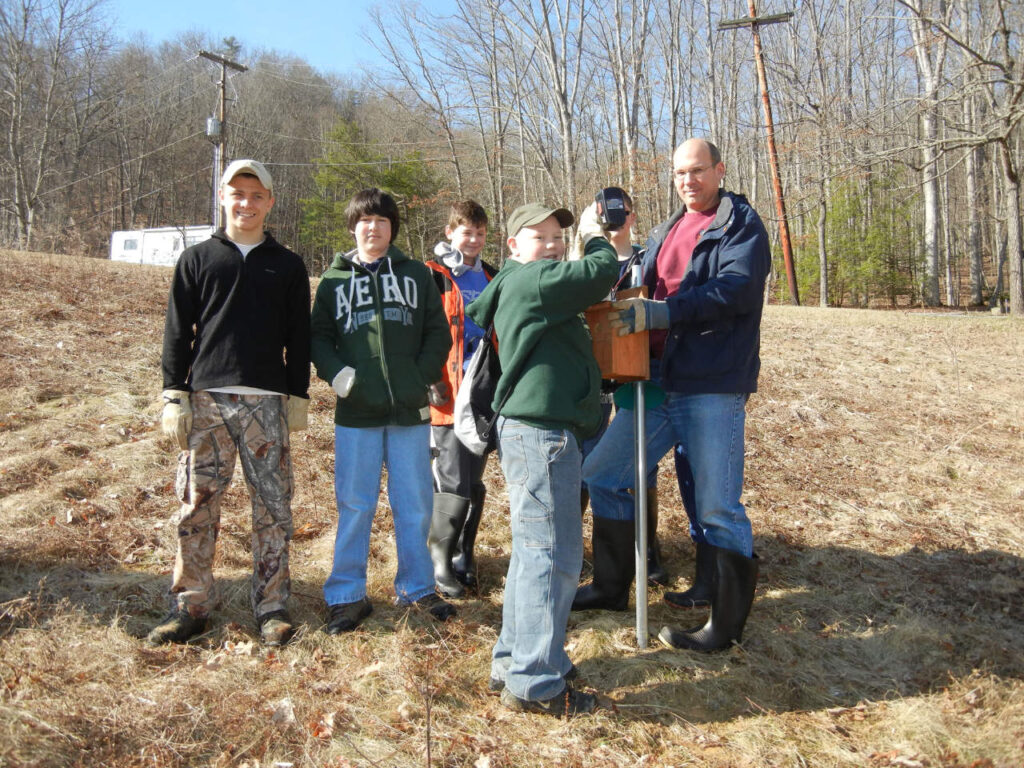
column 706, row 269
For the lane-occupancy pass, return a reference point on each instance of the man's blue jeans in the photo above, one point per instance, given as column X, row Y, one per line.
column 359, row 454
column 542, row 475
column 710, row 430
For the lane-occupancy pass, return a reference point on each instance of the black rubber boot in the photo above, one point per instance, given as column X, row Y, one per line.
column 699, row 593
column 464, row 561
column 614, row 566
column 732, row 594
column 656, row 573
column 445, row 527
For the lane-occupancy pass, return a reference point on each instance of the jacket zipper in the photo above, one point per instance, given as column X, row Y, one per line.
column 379, row 320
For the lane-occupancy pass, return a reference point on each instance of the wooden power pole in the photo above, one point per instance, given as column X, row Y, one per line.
column 754, row 22
column 215, row 128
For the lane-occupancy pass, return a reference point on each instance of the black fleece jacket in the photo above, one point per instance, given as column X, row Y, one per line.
column 238, row 322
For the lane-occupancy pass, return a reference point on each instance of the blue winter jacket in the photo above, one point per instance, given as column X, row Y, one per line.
column 714, row 337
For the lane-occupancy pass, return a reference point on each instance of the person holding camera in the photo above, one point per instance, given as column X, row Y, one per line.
column 706, row 268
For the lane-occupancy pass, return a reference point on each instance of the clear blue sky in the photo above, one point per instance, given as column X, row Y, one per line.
column 329, row 34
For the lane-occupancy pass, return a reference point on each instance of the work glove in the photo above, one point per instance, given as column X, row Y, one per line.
column 439, row 393
column 343, row 382
column 298, row 413
column 176, row 420
column 636, row 315
column 589, row 225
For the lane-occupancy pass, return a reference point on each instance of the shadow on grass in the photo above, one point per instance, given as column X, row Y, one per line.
column 830, row 627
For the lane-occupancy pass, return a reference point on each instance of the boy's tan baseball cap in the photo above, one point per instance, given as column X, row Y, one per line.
column 534, row 213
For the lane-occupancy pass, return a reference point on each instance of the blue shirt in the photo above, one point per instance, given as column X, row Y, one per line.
column 471, row 284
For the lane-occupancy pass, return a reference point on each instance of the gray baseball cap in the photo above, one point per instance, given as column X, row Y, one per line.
column 534, row 213
column 254, row 167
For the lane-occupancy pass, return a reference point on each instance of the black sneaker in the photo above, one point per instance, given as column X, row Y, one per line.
column 275, row 628
column 344, row 617
column 177, row 627
column 568, row 703
column 436, row 606
column 495, row 685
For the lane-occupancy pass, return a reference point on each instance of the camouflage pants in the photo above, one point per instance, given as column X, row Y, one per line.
column 254, row 428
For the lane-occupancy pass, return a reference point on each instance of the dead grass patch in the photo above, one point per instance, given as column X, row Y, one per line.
column 883, row 480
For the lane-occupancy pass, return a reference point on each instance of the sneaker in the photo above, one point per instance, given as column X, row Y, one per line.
column 275, row 628
column 566, row 704
column 496, row 685
column 436, row 606
column 178, row 626
column 344, row 617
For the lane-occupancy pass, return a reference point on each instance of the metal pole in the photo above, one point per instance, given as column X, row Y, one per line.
column 640, row 517
column 640, row 498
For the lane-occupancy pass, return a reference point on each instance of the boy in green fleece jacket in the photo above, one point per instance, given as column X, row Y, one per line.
column 379, row 337
column 545, row 351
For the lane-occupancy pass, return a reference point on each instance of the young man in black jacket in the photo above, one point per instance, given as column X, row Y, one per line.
column 235, row 375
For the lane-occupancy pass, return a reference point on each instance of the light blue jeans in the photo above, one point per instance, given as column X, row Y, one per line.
column 542, row 475
column 359, row 454
column 710, row 430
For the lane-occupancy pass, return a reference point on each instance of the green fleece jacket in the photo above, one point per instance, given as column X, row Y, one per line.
column 543, row 344
column 390, row 327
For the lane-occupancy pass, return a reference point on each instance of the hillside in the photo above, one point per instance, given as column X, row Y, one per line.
column 883, row 479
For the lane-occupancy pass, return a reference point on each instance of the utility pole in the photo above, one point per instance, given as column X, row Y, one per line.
column 215, row 128
column 754, row 22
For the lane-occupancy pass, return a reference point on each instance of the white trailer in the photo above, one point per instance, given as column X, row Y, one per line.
column 160, row 246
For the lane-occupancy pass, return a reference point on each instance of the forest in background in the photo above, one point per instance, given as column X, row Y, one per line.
column 897, row 124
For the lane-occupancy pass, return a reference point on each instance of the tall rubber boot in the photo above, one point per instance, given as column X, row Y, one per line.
column 699, row 593
column 464, row 561
column 445, row 527
column 656, row 573
column 614, row 566
column 732, row 594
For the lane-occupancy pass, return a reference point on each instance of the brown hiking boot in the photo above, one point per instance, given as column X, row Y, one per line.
column 177, row 627
column 275, row 628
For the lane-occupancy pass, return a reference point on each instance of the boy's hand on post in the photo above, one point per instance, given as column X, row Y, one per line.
column 343, row 382
column 298, row 413
column 176, row 420
column 636, row 315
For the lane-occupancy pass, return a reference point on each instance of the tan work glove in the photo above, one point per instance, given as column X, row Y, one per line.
column 298, row 413
column 176, row 420
column 636, row 315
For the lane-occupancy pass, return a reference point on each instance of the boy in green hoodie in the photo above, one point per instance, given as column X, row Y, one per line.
column 545, row 351
column 379, row 337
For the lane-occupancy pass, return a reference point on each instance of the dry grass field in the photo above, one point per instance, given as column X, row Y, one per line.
column 884, row 481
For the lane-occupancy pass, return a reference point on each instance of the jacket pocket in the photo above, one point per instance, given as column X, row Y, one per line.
column 369, row 395
column 407, row 384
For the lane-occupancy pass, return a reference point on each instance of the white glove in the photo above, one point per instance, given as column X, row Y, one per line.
column 176, row 419
column 298, row 413
column 589, row 225
column 343, row 382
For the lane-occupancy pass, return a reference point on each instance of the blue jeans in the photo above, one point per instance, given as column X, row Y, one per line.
column 710, row 430
column 359, row 454
column 542, row 475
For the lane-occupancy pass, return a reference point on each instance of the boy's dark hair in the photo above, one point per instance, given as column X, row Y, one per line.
column 372, row 202
column 468, row 212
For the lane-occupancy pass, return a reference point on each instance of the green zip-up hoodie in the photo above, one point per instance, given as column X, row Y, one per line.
column 543, row 344
column 390, row 327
